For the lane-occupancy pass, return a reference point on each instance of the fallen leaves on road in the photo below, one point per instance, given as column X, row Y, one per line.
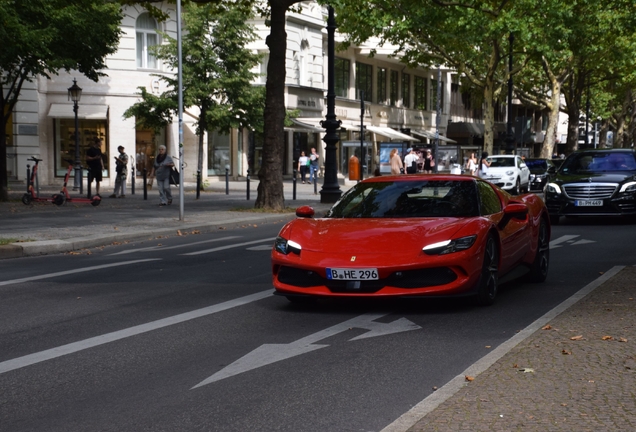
column 622, row 339
column 115, row 228
column 179, row 233
column 470, row 378
column 576, row 338
column 607, row 338
column 546, row 327
column 488, row 346
column 435, row 388
column 195, row 232
column 566, row 352
column 526, row 370
column 222, row 228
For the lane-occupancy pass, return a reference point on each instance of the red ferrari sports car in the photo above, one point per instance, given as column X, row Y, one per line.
column 413, row 236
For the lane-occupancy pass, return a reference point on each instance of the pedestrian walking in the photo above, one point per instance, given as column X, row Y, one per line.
column 396, row 162
column 95, row 162
column 161, row 172
column 429, row 162
column 121, row 171
column 313, row 165
column 471, row 164
column 303, row 166
column 410, row 161
column 483, row 165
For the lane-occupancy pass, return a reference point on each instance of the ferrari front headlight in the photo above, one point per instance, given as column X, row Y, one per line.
column 628, row 187
column 553, row 188
column 450, row 246
column 285, row 246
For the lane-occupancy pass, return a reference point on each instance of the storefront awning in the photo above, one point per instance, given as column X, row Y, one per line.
column 465, row 129
column 304, row 126
column 379, row 130
column 431, row 135
column 89, row 112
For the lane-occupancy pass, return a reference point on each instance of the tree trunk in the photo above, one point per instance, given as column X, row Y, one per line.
column 602, row 136
column 4, row 182
column 547, row 149
column 573, row 128
column 270, row 186
column 489, row 114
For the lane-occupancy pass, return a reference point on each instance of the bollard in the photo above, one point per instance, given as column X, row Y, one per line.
column 28, row 177
column 81, row 180
column 316, row 184
column 132, row 181
column 145, row 179
column 294, row 185
column 198, row 183
column 227, row 181
column 248, row 185
column 90, row 181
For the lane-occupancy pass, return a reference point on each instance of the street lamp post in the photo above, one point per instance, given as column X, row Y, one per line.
column 75, row 94
column 330, row 192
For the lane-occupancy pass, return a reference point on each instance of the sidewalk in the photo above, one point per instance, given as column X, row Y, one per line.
column 42, row 227
column 572, row 370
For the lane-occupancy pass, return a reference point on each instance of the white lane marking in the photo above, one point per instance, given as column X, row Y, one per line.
column 556, row 243
column 260, row 248
column 174, row 247
column 52, row 353
column 419, row 411
column 271, row 353
column 80, row 270
column 230, row 246
column 580, row 242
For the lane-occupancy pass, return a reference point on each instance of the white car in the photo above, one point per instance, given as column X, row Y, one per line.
column 509, row 172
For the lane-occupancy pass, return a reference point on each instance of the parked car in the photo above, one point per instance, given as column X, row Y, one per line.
column 424, row 235
column 509, row 172
column 594, row 183
column 558, row 162
column 542, row 171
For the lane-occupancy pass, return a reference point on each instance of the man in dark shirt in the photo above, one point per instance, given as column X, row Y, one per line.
column 95, row 163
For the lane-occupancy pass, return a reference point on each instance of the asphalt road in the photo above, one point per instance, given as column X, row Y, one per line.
column 183, row 333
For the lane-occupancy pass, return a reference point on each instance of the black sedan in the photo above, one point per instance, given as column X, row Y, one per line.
column 594, row 183
column 542, row 171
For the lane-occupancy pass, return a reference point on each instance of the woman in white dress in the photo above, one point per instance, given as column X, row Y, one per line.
column 483, row 165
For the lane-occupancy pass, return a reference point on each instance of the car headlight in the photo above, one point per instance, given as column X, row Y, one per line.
column 450, row 246
column 510, row 172
column 285, row 246
column 553, row 188
column 628, row 187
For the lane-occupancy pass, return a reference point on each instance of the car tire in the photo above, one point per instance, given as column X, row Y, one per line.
column 541, row 264
column 517, row 189
column 488, row 284
column 554, row 219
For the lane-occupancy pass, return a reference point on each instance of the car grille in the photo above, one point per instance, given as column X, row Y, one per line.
column 404, row 279
column 590, row 190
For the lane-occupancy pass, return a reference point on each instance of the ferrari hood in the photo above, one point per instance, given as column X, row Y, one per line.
column 362, row 236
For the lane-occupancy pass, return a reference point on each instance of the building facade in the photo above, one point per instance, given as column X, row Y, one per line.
column 397, row 106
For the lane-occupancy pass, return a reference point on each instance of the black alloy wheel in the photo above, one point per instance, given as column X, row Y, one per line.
column 489, row 279
column 541, row 264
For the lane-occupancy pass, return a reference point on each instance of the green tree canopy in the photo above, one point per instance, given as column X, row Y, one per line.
column 41, row 37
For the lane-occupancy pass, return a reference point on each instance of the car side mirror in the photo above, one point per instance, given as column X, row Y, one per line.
column 305, row 212
column 516, row 210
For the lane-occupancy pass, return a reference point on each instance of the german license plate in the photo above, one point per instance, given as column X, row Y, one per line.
column 588, row 203
column 352, row 274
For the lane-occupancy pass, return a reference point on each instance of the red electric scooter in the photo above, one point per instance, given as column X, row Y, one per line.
column 33, row 195
column 59, row 198
column 64, row 196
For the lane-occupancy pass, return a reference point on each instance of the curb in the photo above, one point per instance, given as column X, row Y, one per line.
column 44, row 247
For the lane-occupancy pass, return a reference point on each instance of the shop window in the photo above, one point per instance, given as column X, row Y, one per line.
column 147, row 145
column 364, row 81
column 218, row 153
column 393, row 87
column 342, row 70
column 89, row 131
column 406, row 90
column 146, row 30
column 420, row 93
column 381, row 77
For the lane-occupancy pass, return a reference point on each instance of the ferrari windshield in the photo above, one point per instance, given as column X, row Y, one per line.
column 599, row 162
column 408, row 199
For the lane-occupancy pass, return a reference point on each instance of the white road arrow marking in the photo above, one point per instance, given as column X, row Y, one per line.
column 272, row 353
column 232, row 246
column 580, row 242
column 556, row 243
column 163, row 248
column 260, row 248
